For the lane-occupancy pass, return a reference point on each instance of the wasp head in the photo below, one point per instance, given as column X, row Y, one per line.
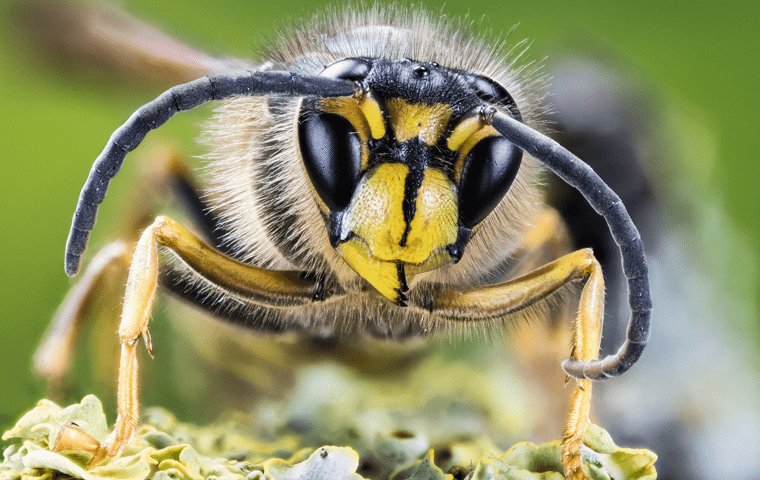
column 406, row 168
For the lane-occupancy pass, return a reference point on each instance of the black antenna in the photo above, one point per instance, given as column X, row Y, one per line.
column 154, row 114
column 576, row 173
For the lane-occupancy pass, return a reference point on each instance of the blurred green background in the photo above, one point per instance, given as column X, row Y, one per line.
column 701, row 60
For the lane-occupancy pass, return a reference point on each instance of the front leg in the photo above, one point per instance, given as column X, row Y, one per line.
column 488, row 303
column 276, row 289
column 53, row 357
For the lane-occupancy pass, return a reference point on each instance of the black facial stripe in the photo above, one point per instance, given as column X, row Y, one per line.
column 401, row 298
column 412, row 185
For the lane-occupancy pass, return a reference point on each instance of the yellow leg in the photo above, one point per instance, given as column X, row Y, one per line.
column 546, row 240
column 541, row 347
column 488, row 303
column 53, row 357
column 52, row 360
column 586, row 339
column 271, row 288
column 138, row 303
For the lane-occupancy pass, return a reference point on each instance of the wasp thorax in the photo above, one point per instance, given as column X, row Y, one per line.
column 406, row 167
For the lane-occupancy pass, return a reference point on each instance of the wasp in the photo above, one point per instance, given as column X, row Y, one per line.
column 372, row 175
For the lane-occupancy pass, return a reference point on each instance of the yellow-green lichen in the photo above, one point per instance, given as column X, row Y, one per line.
column 165, row 449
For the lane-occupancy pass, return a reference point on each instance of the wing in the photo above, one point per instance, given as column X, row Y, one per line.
column 87, row 35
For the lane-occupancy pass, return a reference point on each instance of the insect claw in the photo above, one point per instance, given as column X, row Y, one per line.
column 72, row 438
column 319, row 292
column 402, row 299
column 148, row 342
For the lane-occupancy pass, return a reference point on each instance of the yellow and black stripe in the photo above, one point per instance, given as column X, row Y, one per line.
column 415, row 127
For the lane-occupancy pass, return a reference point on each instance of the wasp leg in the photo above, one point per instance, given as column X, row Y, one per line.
column 547, row 239
column 267, row 287
column 52, row 360
column 166, row 171
column 485, row 303
column 587, row 337
column 538, row 349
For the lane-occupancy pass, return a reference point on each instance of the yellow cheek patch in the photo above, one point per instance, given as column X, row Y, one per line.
column 468, row 144
column 412, row 120
column 374, row 115
column 463, row 131
column 348, row 108
column 383, row 276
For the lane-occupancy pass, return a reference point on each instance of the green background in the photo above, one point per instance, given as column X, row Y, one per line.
column 700, row 58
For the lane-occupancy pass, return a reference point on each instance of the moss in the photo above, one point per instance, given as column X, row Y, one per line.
column 165, row 449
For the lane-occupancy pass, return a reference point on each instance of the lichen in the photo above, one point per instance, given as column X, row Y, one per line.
column 166, row 449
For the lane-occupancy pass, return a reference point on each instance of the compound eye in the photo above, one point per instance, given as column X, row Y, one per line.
column 347, row 69
column 331, row 153
column 489, row 170
column 492, row 92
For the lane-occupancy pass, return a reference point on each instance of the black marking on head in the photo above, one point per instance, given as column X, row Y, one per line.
column 456, row 249
column 331, row 154
column 412, row 185
column 401, row 298
column 418, row 82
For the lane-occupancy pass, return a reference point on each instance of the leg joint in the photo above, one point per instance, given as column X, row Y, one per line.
column 588, row 263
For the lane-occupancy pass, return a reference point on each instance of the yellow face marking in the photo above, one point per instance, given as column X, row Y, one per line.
column 411, row 120
column 383, row 276
column 463, row 131
column 435, row 222
column 374, row 115
column 469, row 143
column 376, row 217
column 376, row 214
